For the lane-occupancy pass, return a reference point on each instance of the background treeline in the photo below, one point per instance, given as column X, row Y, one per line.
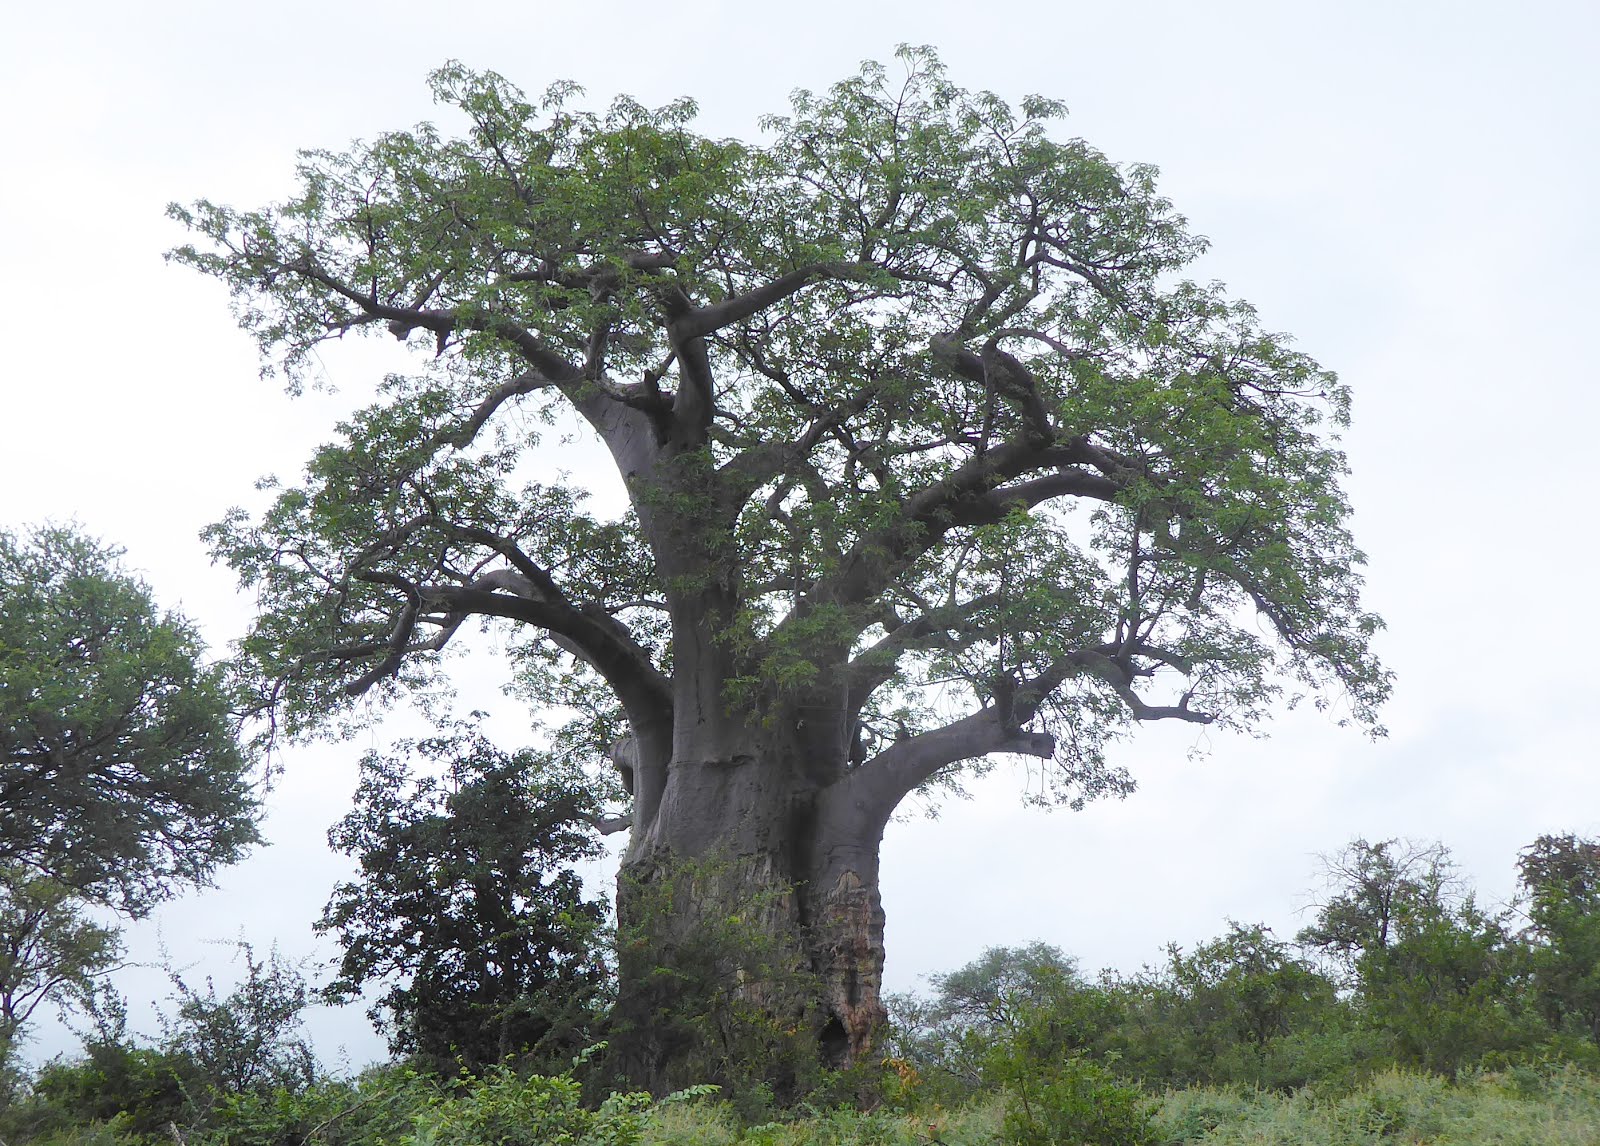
column 1404, row 1011
column 1401, row 968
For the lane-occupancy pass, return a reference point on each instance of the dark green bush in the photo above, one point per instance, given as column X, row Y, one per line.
column 1074, row 1101
column 145, row 1089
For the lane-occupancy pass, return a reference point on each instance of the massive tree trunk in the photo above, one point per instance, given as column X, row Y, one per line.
column 752, row 930
column 751, row 926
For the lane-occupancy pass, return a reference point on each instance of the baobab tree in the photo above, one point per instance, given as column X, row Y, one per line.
column 930, row 452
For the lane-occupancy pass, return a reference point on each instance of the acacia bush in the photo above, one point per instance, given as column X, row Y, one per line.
column 1400, row 968
column 1392, row 1106
column 1243, row 1008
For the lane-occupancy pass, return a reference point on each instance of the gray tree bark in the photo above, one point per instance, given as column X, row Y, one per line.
column 753, row 892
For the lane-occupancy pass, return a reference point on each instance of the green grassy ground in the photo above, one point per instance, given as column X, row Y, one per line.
column 1559, row 1109
column 1524, row 1107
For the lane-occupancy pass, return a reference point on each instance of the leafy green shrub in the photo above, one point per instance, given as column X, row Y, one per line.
column 216, row 1050
column 249, row 1040
column 1394, row 1106
column 696, row 1124
column 1054, row 1093
column 1242, row 1008
column 1561, row 876
column 379, row 1106
column 1190, row 1114
column 113, row 1133
column 1074, row 1101
column 704, row 1124
column 503, row 1108
column 143, row 1088
column 467, row 908
column 949, row 1041
column 1448, row 991
column 1441, row 982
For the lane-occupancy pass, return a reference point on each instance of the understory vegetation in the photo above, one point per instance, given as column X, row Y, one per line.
column 1405, row 1011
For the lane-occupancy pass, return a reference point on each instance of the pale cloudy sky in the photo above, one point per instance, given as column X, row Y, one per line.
column 1408, row 187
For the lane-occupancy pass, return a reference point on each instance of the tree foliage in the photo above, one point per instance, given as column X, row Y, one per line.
column 120, row 776
column 1244, row 1007
column 216, row 1048
column 1373, row 888
column 1440, row 978
column 467, row 905
column 48, row 949
column 249, row 1040
column 1561, row 876
column 918, row 419
column 1450, row 989
column 988, row 993
column 1029, row 1000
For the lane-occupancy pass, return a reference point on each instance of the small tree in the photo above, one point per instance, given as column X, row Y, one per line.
column 1020, row 1021
column 48, row 948
column 215, row 1049
column 1244, row 1008
column 121, row 781
column 1371, row 888
column 1010, row 1001
column 1561, row 876
column 1439, row 979
column 930, row 451
column 990, row 992
column 1450, row 989
column 467, row 904
column 250, row 1040
column 120, row 777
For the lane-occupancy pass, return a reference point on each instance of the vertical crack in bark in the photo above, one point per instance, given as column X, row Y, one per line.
column 849, row 934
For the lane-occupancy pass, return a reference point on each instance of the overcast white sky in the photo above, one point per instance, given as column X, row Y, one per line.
column 1408, row 187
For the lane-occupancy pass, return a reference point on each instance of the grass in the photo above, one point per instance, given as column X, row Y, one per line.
column 1557, row 1108
column 1552, row 1106
column 1521, row 1108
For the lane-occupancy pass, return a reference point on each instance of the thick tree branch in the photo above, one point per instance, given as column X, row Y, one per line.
column 1002, row 374
column 705, row 320
column 885, row 779
column 595, row 635
column 442, row 323
column 599, row 279
column 940, row 627
column 973, row 494
column 399, row 646
column 694, row 405
column 610, row 825
column 596, row 399
column 526, row 592
column 526, row 383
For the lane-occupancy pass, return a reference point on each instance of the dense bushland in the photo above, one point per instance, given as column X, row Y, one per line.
column 1404, row 1011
